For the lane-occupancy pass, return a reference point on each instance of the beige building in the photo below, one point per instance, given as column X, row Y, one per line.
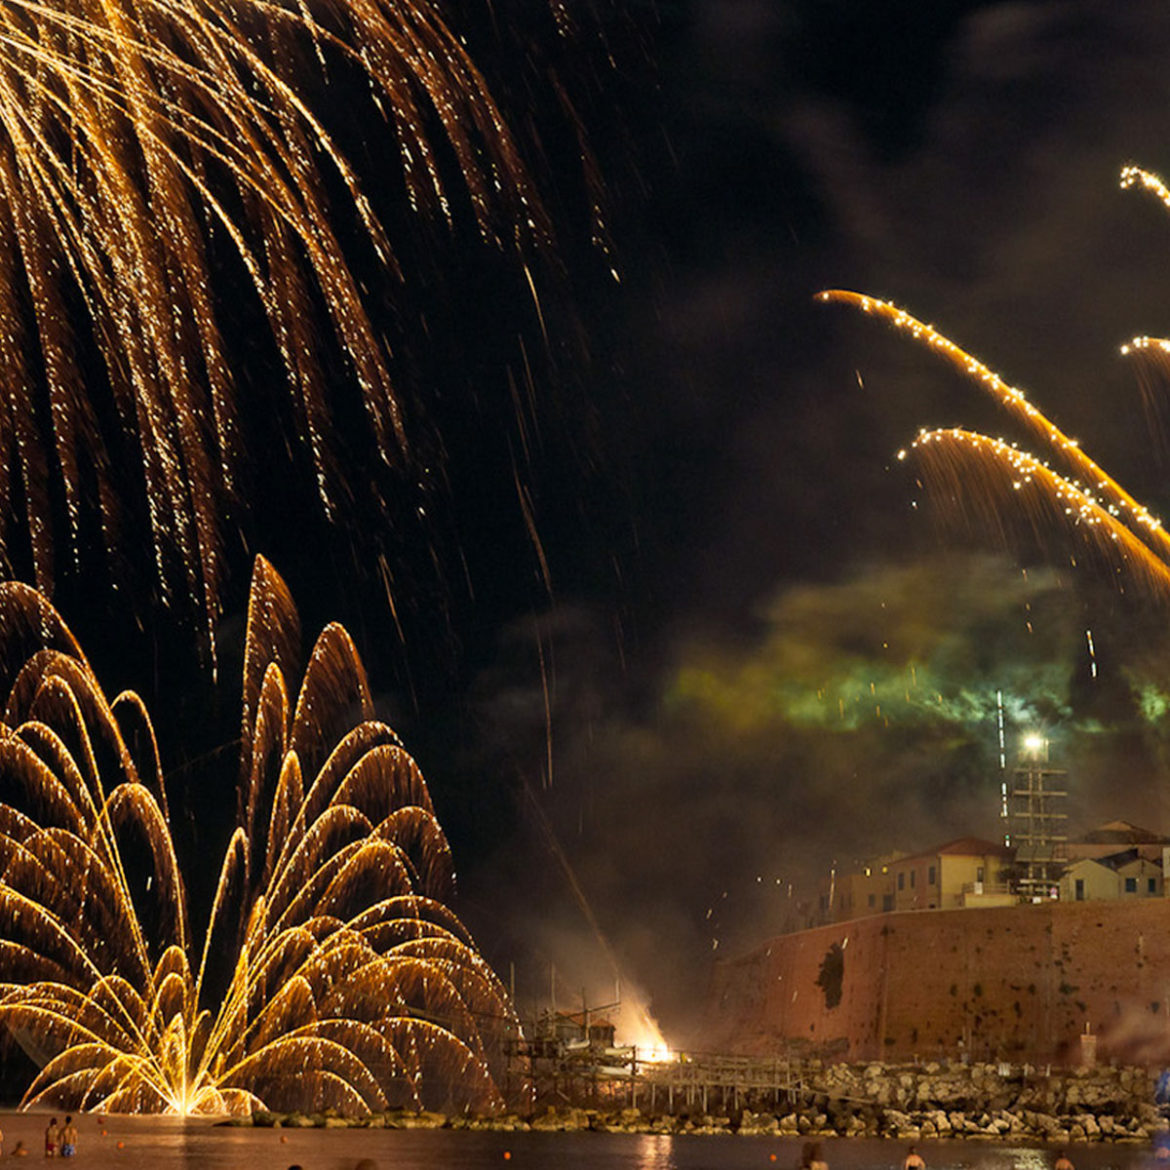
column 968, row 871
column 1116, row 861
column 869, row 890
column 1089, row 880
column 1140, row 878
column 1126, row 875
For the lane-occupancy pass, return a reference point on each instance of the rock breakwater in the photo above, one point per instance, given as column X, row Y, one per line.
column 906, row 1102
column 977, row 1101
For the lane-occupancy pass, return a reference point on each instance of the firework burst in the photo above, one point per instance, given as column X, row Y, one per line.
column 975, row 473
column 147, row 145
column 351, row 983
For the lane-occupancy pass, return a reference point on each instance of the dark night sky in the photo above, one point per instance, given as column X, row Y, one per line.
column 965, row 166
column 740, row 571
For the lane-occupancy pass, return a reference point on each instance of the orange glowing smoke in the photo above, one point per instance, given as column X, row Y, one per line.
column 639, row 1028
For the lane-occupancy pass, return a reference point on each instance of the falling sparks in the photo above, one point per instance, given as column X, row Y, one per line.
column 978, row 474
column 148, row 147
column 349, row 982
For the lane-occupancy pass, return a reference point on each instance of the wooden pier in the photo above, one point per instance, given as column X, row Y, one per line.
column 706, row 1082
column 589, row 1076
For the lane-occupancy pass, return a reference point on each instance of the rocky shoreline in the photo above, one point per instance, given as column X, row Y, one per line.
column 905, row 1102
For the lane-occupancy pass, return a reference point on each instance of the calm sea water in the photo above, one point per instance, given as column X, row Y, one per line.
column 170, row 1144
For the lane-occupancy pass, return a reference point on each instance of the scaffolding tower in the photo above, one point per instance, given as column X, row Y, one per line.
column 1037, row 793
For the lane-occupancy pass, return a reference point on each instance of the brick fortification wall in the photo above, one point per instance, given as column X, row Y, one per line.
column 1017, row 984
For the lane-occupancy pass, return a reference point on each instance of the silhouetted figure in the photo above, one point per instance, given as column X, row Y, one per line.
column 68, row 1139
column 1162, row 1092
column 913, row 1160
column 51, row 1138
column 1063, row 1162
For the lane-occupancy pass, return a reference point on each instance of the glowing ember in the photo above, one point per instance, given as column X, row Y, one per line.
column 349, row 983
column 981, row 474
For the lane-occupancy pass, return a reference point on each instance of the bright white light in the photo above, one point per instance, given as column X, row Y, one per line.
column 1033, row 742
column 639, row 1028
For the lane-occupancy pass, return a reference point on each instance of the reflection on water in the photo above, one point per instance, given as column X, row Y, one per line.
column 161, row 1143
column 653, row 1152
column 1034, row 1159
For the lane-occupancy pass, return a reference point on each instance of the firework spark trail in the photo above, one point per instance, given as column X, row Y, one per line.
column 353, row 984
column 1119, row 501
column 129, row 131
column 1003, row 471
column 1115, row 525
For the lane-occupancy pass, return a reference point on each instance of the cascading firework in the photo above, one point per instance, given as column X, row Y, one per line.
column 149, row 149
column 979, row 474
column 349, row 982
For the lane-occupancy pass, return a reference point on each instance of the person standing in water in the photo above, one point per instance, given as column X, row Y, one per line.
column 913, row 1160
column 69, row 1139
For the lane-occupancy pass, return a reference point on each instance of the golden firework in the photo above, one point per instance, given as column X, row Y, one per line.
column 349, row 981
column 975, row 472
column 145, row 144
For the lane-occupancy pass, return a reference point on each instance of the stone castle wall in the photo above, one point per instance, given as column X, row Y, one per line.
column 1018, row 984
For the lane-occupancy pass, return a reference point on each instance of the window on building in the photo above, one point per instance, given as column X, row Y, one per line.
column 1080, row 889
column 930, row 876
column 913, row 875
column 901, row 881
column 1151, row 885
column 872, row 901
column 979, row 874
column 887, row 902
column 1131, row 885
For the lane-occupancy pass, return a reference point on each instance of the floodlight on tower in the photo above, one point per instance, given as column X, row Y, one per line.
column 1035, row 745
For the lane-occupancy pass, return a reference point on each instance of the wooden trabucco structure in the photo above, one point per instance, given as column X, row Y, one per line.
column 614, row 1077
column 708, row 1083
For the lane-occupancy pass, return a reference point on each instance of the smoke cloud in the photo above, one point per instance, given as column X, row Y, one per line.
column 692, row 817
column 818, row 682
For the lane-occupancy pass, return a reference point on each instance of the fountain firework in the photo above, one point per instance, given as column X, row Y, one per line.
column 145, row 147
column 1119, row 530
column 349, row 981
